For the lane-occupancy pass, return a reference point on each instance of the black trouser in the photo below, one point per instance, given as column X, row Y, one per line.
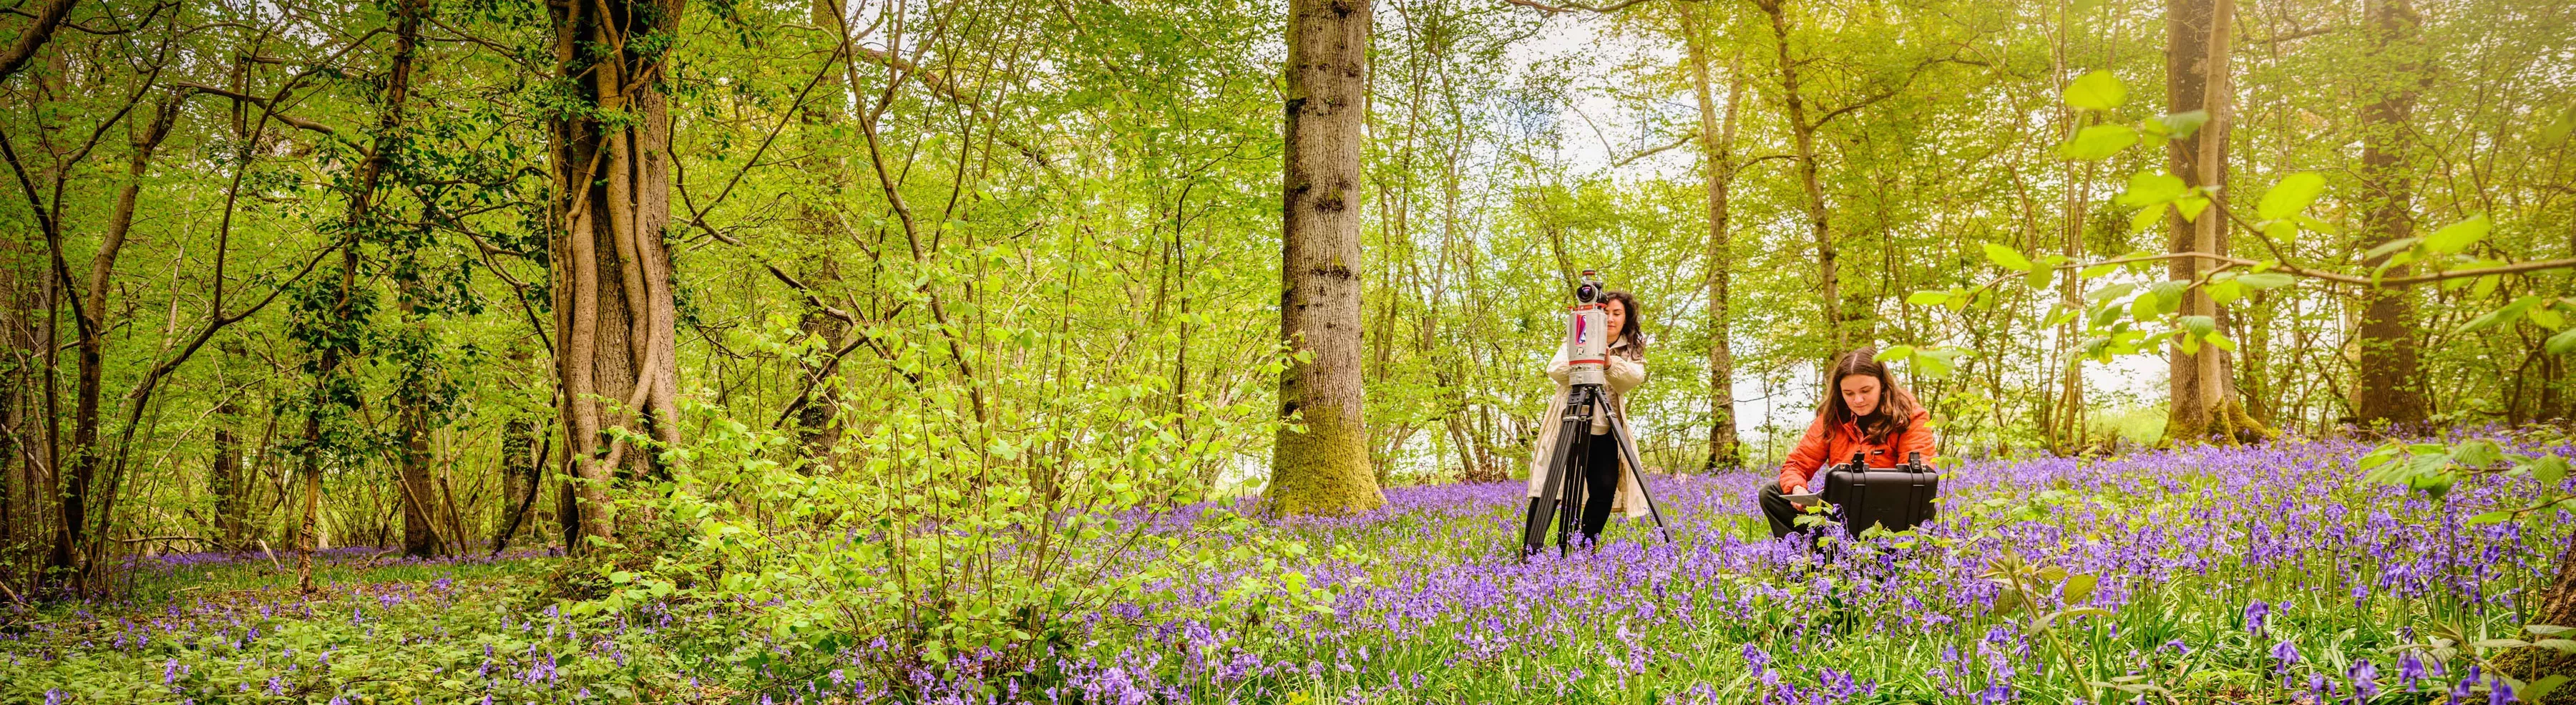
column 1596, row 463
column 1778, row 510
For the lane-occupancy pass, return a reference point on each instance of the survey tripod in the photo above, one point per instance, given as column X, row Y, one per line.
column 1562, row 494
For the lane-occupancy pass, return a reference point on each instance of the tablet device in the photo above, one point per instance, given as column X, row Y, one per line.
column 1805, row 500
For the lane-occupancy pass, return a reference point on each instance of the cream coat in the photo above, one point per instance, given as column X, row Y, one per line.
column 1623, row 375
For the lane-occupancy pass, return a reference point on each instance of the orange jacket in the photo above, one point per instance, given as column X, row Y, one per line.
column 1819, row 448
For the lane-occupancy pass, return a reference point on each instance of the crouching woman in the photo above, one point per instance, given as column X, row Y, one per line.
column 1863, row 412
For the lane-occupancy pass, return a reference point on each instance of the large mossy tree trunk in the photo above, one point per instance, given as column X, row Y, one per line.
column 615, row 315
column 1323, row 468
column 2204, row 401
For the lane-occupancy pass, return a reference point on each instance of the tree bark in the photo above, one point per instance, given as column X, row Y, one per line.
column 224, row 478
column 2387, row 389
column 419, row 507
column 1717, row 144
column 614, row 311
column 521, row 474
column 22, row 482
column 90, row 347
column 2197, row 77
column 1325, row 467
column 48, row 18
column 1802, row 132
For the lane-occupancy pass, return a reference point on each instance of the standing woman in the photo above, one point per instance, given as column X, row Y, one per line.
column 1600, row 466
column 1863, row 412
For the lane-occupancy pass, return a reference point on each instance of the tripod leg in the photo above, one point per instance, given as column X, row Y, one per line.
column 1628, row 451
column 1569, row 511
column 1544, row 506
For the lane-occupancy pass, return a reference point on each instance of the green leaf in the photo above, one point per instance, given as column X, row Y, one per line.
column 2549, row 470
column 2559, row 344
column 2458, row 236
column 2079, row 587
column 2147, row 188
column 2220, row 341
column 2509, row 313
column 2546, row 317
column 2007, row 258
column 2390, row 246
column 2097, row 271
column 2191, row 206
column 2169, row 293
column 2292, row 195
column 2536, row 691
column 1893, row 352
column 1928, row 298
column 2098, row 90
column 2098, row 141
column 2140, row 221
column 2225, row 291
column 2182, row 124
column 2490, row 518
column 2282, row 231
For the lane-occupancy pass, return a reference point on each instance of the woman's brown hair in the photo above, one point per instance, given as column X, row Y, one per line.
column 1634, row 330
column 1896, row 407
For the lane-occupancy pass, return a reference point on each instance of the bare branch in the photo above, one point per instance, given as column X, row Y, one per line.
column 1686, row 139
column 1572, row 6
column 263, row 103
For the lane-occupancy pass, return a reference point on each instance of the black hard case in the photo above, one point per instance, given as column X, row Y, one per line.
column 1898, row 498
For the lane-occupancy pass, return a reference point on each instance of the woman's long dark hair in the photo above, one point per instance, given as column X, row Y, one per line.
column 1896, row 407
column 1634, row 330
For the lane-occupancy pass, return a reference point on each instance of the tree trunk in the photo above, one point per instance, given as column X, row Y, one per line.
column 2387, row 390
column 90, row 347
column 224, row 478
column 2557, row 608
column 2198, row 33
column 419, row 500
column 1717, row 144
column 30, row 465
column 329, row 389
column 521, row 474
column 816, row 427
column 22, row 486
column 614, row 311
column 1325, row 467
column 1803, row 134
